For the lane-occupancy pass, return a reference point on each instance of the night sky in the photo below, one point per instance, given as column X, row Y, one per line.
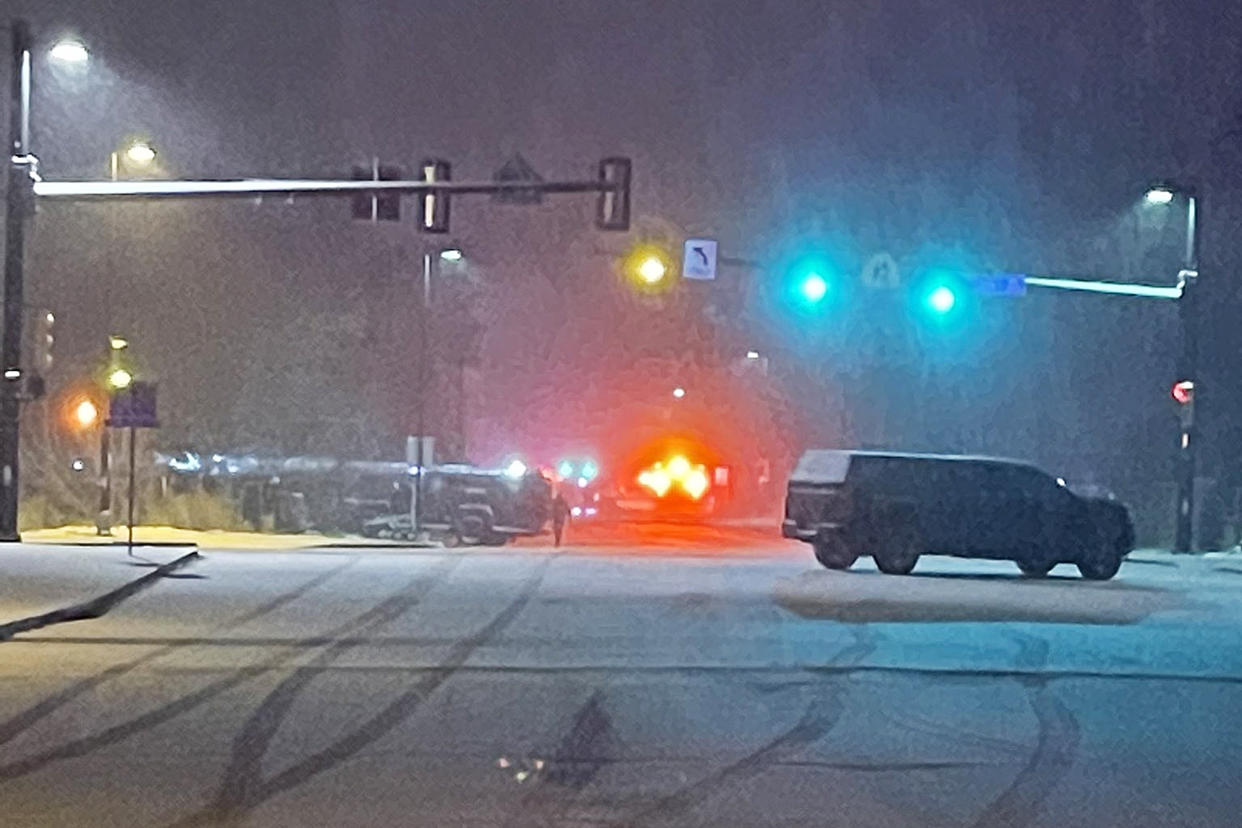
column 970, row 134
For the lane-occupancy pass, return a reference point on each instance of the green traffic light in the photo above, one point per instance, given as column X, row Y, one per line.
column 941, row 299
column 814, row 288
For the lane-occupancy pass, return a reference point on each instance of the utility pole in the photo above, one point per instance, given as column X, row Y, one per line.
column 18, row 200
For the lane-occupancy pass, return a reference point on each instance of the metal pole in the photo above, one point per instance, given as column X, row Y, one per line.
column 18, row 198
column 1188, row 370
column 103, row 523
column 423, row 309
column 130, row 521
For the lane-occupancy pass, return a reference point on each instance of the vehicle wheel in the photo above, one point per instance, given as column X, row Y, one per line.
column 1101, row 560
column 899, row 550
column 1099, row 567
column 1035, row 568
column 833, row 552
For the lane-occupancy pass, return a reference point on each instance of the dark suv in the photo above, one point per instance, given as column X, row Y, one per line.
column 896, row 507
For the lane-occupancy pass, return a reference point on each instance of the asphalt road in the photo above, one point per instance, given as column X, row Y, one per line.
column 708, row 677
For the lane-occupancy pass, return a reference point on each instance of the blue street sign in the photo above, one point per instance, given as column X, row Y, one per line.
column 133, row 407
column 999, row 284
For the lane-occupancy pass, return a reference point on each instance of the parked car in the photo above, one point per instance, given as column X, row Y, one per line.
column 897, row 507
column 472, row 506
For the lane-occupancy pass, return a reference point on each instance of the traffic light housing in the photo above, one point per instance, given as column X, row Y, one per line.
column 612, row 210
column 45, row 338
column 377, row 206
column 433, row 214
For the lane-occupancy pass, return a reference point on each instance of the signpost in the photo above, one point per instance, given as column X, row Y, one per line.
column 517, row 169
column 881, row 272
column 699, row 259
column 133, row 408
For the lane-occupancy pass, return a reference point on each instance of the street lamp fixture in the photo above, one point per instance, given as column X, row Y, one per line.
column 120, row 379
column 140, row 153
column 1159, row 195
column 86, row 414
column 451, row 254
column 118, row 343
column 70, row 52
column 679, row 392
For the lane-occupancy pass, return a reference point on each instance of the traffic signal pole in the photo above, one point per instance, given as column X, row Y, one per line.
column 1188, row 368
column 611, row 185
column 17, row 203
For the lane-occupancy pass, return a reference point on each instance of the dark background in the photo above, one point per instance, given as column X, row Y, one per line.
column 1016, row 136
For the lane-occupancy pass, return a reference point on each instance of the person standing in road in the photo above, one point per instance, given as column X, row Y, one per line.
column 560, row 514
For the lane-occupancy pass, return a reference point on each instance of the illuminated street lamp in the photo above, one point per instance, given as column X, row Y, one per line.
column 86, row 414
column 1158, row 195
column 679, row 392
column 120, row 379
column 137, row 154
column 69, row 51
column 140, row 153
column 451, row 254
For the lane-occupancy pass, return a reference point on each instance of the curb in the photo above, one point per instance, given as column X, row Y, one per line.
column 98, row 606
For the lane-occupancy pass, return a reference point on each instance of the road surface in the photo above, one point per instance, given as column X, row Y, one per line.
column 713, row 677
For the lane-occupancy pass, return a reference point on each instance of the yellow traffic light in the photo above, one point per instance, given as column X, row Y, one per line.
column 651, row 270
column 648, row 267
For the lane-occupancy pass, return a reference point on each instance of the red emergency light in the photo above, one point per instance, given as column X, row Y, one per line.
column 1184, row 392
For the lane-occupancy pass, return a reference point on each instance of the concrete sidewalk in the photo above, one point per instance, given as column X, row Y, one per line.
column 203, row 539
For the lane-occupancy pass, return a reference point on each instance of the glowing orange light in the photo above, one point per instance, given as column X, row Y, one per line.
column 678, row 467
column 85, row 413
column 656, row 479
column 695, row 483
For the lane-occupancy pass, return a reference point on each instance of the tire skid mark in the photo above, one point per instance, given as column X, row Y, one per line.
column 1055, row 747
column 583, row 751
column 256, row 735
column 393, row 714
column 100, row 605
column 117, row 733
column 820, row 716
column 15, row 725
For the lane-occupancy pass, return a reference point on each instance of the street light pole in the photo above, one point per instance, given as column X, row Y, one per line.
column 423, row 310
column 1188, row 367
column 19, row 197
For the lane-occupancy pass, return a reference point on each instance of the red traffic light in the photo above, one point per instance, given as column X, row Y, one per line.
column 1184, row 392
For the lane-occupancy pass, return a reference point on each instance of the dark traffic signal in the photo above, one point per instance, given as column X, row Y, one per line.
column 378, row 206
